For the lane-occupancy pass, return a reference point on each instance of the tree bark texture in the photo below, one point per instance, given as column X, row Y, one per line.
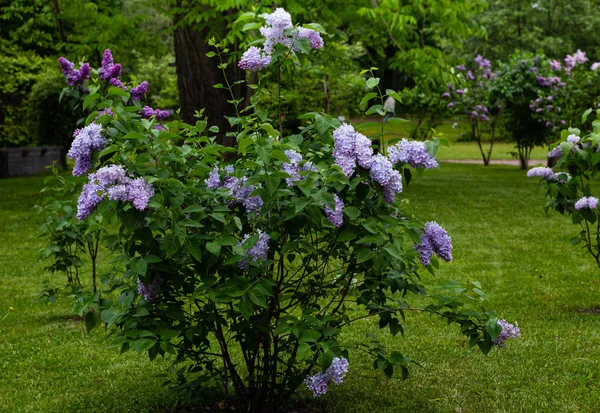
column 196, row 76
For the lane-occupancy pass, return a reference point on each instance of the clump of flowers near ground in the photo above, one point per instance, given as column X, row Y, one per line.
column 245, row 270
column 567, row 185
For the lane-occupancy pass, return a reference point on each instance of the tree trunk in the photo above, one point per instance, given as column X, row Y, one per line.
column 196, row 76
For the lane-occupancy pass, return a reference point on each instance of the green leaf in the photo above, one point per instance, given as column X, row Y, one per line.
column 140, row 266
column 585, row 115
column 91, row 321
column 372, row 82
column 309, row 336
column 143, row 345
column 304, row 352
column 251, row 26
column 171, row 244
column 214, row 248
column 316, row 27
column 245, row 16
column 367, row 98
column 364, row 254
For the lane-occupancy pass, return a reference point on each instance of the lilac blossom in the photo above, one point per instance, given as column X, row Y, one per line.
column 149, row 291
column 336, row 216
column 293, row 167
column 274, row 31
column 445, row 95
column 574, row 139
column 579, row 57
column 109, row 70
column 259, row 251
column 460, row 91
column 595, row 66
column 542, row 81
column 254, row 59
column 113, row 181
column 85, row 142
column 470, row 76
column 335, row 373
column 362, row 150
column 91, row 195
column 317, row 384
column 107, row 112
column 413, row 153
column 237, row 190
column 383, row 173
column 148, row 112
column 542, row 172
column 139, row 91
column 483, row 63
column 461, row 68
column 314, row 38
column 214, row 180
column 451, row 105
column 586, row 203
column 74, row 77
column 117, row 83
column 139, row 193
column 343, row 148
column 509, row 331
column 555, row 65
column 434, row 239
column 555, row 153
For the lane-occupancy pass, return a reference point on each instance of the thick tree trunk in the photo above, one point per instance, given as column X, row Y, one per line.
column 196, row 76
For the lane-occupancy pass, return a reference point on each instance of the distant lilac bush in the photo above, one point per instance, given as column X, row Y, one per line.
column 471, row 96
column 245, row 267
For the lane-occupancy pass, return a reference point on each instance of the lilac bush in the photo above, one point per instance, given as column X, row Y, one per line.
column 264, row 253
column 471, row 96
column 570, row 193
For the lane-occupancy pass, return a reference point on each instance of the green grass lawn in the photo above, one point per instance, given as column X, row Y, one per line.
column 501, row 237
column 456, row 150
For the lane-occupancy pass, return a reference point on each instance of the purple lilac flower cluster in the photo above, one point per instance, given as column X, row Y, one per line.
column 335, row 373
column 589, row 202
column 254, row 59
column 292, row 167
column 149, row 291
column 555, row 153
column 107, row 112
column 548, row 174
column 110, row 71
column 237, row 190
column 139, row 91
column 509, row 331
column 260, row 250
column 572, row 61
column 478, row 80
column 413, row 153
column 278, row 30
column 336, row 217
column 352, row 148
column 74, row 77
column 595, row 66
column 434, row 239
column 85, row 142
column 112, row 181
column 148, row 112
column 574, row 139
column 546, row 112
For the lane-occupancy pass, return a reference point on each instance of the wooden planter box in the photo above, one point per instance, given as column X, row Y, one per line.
column 30, row 160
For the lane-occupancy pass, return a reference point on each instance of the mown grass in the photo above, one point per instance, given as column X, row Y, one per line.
column 452, row 129
column 501, row 237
